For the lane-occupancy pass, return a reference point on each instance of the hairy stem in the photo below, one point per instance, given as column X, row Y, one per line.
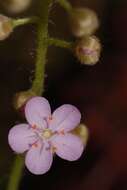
column 38, row 83
column 16, row 173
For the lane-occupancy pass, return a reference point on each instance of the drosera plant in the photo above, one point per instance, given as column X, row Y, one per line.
column 45, row 134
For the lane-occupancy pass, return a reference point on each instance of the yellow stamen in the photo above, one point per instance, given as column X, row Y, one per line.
column 47, row 133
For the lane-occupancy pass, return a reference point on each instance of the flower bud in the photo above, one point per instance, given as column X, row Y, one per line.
column 6, row 27
column 83, row 21
column 16, row 6
column 21, row 98
column 88, row 50
column 82, row 132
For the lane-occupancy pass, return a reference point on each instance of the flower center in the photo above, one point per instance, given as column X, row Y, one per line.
column 47, row 133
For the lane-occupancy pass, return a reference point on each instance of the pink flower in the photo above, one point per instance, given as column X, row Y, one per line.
column 46, row 134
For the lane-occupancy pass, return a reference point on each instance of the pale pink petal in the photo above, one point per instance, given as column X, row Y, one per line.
column 37, row 110
column 68, row 146
column 21, row 137
column 39, row 159
column 65, row 118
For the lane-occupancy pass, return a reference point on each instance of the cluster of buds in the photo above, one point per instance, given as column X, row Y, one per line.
column 84, row 23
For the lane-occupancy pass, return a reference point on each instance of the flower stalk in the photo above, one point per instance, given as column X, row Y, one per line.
column 38, row 83
column 60, row 43
column 23, row 21
column 66, row 5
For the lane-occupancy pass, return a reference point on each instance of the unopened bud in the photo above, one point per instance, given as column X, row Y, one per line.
column 88, row 50
column 83, row 21
column 16, row 6
column 82, row 132
column 21, row 98
column 6, row 27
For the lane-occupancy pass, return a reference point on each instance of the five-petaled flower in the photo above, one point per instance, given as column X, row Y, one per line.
column 46, row 134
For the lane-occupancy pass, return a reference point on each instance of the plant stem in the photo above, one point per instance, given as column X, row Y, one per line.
column 38, row 83
column 65, row 4
column 60, row 43
column 16, row 173
column 23, row 21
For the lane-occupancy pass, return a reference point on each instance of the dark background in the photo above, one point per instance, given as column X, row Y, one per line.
column 100, row 92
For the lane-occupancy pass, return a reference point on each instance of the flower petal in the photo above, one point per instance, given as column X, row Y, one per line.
column 37, row 110
column 68, row 146
column 39, row 159
column 21, row 137
column 65, row 118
